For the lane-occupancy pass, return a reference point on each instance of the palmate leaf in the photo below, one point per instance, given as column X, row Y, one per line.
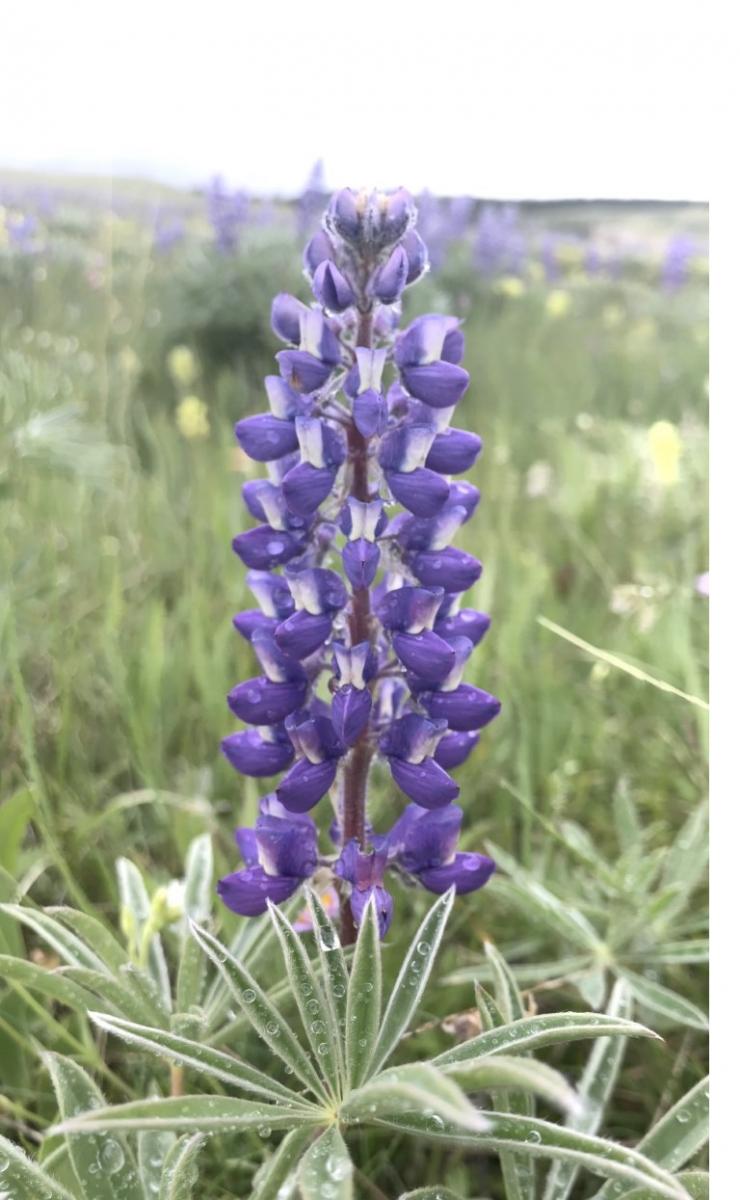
column 519, row 1172
column 326, row 1169
column 201, row 1114
column 541, row 1139
column 70, row 948
column 272, row 1175
column 677, row 1136
column 262, row 1014
column 179, row 1169
column 664, row 1002
column 529, row 1033
column 197, row 1056
column 23, row 1179
column 528, row 894
column 102, row 1162
column 595, row 1088
column 417, row 1087
column 503, row 1071
column 364, row 998
column 412, row 979
column 316, row 1011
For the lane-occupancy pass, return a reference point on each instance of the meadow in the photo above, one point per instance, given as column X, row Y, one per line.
column 134, row 332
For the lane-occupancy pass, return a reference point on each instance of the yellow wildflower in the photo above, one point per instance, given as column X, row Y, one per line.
column 192, row 418
column 182, row 366
column 665, row 447
column 558, row 303
column 511, row 285
column 128, row 360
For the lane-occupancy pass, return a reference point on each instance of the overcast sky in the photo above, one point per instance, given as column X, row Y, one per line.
column 516, row 100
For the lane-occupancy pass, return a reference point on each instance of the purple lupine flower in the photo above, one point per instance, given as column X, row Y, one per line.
column 676, row 262
column 228, row 213
column 356, row 579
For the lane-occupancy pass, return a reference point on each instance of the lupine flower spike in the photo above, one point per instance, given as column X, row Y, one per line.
column 359, row 631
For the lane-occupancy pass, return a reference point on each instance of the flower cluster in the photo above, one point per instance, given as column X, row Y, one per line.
column 360, row 630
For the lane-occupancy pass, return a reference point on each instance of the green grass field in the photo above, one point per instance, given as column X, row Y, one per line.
column 117, row 587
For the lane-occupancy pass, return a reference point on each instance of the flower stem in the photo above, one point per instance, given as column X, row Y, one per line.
column 356, row 772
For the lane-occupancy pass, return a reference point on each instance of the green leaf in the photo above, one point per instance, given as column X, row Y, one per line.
column 535, row 900
column 117, row 994
column 686, row 861
column 529, row 1033
column 135, row 903
column 22, row 1179
column 417, row 1087
column 626, row 819
column 152, row 1148
column 430, row 1193
column 504, row 1071
column 317, row 1014
column 595, row 1088
column 260, row 1011
column 412, row 979
column 199, row 878
column 190, row 977
column 179, row 1174
column 196, row 1055
column 364, row 998
column 101, row 940
column 326, row 1169
column 273, row 1174
column 691, row 950
column 54, row 984
column 678, row 1134
column 15, row 813
column 541, row 1139
column 333, row 963
column 665, row 1002
column 505, row 988
column 203, row 1114
column 142, row 984
column 66, row 944
column 103, row 1163
column 696, row 1184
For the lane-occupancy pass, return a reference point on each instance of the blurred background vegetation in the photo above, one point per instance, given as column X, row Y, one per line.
column 135, row 331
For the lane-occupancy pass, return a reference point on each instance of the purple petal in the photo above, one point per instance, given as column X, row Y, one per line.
column 359, row 900
column 248, row 622
column 331, row 288
column 454, row 748
column 318, row 249
column 361, row 560
column 350, row 712
column 426, row 654
column 452, row 569
column 286, row 846
column 453, row 346
column 271, row 593
column 466, row 623
column 409, row 609
column 343, row 215
column 265, row 547
column 285, row 317
column 261, row 702
column 466, row 708
column 306, row 487
column 422, row 491
column 302, row 371
column 440, row 384
column 453, row 451
column 303, row 633
column 421, row 839
column 265, row 438
column 467, row 871
column 390, row 279
column 416, row 253
column 305, row 784
column 426, row 783
column 253, row 755
column 246, row 840
column 370, row 413
column 248, row 892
